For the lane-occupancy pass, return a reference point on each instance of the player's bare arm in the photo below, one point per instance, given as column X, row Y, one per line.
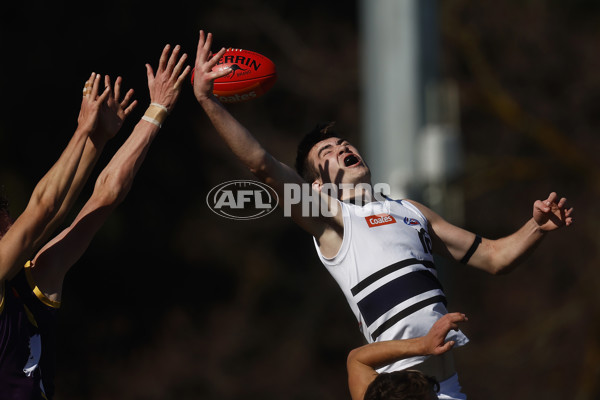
column 48, row 196
column 244, row 145
column 497, row 256
column 110, row 119
column 116, row 179
column 363, row 361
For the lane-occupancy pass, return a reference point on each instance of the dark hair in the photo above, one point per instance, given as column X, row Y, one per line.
column 402, row 385
column 320, row 132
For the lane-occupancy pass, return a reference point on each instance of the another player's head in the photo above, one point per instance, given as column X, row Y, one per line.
column 323, row 156
column 402, row 385
column 5, row 220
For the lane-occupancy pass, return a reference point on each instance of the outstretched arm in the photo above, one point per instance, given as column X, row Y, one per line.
column 49, row 194
column 241, row 142
column 111, row 116
column 114, row 182
column 363, row 361
column 504, row 254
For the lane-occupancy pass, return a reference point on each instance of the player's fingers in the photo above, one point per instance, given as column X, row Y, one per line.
column 87, row 86
column 102, row 98
column 180, row 64
column 215, row 59
column 117, row 88
column 562, row 202
column 149, row 73
column 208, row 42
column 543, row 206
column 95, row 86
column 129, row 109
column 107, row 83
column 173, row 59
column 448, row 345
column 127, row 98
column 444, row 348
column 203, row 52
column 200, row 50
column 162, row 63
column 182, row 77
column 551, row 198
column 457, row 317
column 90, row 80
column 220, row 73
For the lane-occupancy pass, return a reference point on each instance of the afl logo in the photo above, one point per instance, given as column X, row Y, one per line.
column 242, row 200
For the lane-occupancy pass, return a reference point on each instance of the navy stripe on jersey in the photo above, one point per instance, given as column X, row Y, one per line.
column 405, row 313
column 395, row 292
column 388, row 270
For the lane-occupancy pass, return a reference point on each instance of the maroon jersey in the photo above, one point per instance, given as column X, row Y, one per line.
column 27, row 341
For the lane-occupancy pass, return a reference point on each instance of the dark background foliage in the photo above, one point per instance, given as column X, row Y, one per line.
column 172, row 301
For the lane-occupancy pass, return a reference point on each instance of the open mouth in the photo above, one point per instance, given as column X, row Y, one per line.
column 351, row 160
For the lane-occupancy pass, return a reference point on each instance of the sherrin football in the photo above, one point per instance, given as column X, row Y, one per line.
column 251, row 76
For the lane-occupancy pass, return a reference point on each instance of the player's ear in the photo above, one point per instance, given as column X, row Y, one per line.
column 317, row 185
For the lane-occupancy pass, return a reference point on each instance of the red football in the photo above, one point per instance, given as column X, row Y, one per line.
column 251, row 76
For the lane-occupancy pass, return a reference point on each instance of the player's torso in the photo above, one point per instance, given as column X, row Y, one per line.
column 384, row 233
column 385, row 269
column 24, row 323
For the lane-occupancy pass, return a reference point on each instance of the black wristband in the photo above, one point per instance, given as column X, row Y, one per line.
column 471, row 250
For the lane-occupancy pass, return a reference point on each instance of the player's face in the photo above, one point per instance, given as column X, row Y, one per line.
column 337, row 161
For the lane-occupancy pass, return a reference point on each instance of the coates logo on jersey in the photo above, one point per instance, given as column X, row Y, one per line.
column 242, row 200
column 411, row 221
column 379, row 219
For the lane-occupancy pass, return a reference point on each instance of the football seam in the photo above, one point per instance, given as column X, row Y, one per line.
column 247, row 80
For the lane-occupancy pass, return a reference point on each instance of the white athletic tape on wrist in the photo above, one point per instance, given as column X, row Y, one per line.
column 160, row 106
column 152, row 121
column 156, row 114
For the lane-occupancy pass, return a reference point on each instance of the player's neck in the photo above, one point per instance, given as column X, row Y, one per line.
column 359, row 195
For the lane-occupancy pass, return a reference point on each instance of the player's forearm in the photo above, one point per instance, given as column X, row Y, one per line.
column 378, row 354
column 111, row 187
column 507, row 253
column 44, row 204
column 90, row 156
column 116, row 179
column 241, row 142
column 52, row 189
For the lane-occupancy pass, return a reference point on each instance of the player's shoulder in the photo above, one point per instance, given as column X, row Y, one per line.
column 420, row 209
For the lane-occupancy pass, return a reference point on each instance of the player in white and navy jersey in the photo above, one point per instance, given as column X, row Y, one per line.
column 384, row 269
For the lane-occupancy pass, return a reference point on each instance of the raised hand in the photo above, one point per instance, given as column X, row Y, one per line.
column 114, row 111
column 551, row 214
column 435, row 339
column 204, row 76
column 91, row 103
column 165, row 85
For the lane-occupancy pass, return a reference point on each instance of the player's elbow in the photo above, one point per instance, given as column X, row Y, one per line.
column 46, row 205
column 351, row 359
column 262, row 166
column 356, row 357
column 111, row 189
column 500, row 265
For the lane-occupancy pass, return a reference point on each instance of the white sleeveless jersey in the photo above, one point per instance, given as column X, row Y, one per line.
column 385, row 269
